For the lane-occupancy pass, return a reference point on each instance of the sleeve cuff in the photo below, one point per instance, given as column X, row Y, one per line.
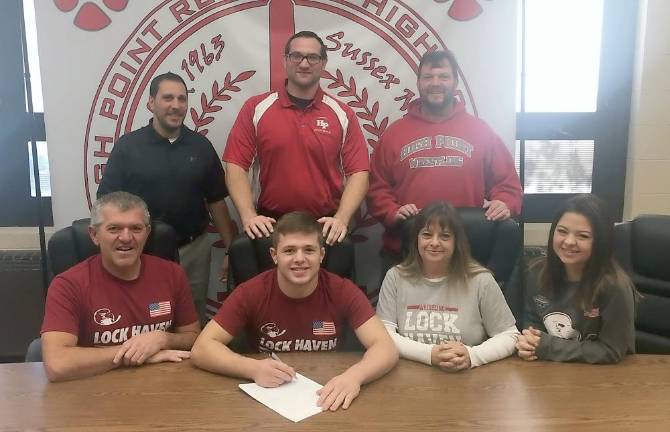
column 475, row 361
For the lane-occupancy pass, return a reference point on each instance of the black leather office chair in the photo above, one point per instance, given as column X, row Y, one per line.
column 497, row 246
column 250, row 257
column 71, row 245
column 642, row 247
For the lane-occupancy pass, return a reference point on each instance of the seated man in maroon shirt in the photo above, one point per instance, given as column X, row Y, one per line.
column 119, row 307
column 296, row 307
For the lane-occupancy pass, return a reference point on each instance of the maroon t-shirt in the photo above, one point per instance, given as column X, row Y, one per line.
column 275, row 322
column 102, row 310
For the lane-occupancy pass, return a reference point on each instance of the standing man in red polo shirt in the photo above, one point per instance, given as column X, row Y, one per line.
column 307, row 149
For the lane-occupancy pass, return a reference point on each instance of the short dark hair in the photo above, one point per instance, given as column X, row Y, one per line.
column 297, row 222
column 437, row 58
column 307, row 34
column 167, row 76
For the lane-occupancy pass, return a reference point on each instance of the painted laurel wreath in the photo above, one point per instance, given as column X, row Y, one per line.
column 360, row 103
column 210, row 105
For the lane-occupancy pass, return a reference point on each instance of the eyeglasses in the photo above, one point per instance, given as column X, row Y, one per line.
column 297, row 58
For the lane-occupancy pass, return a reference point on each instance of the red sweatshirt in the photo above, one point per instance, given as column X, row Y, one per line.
column 419, row 160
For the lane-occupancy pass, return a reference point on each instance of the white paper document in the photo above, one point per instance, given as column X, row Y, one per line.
column 295, row 400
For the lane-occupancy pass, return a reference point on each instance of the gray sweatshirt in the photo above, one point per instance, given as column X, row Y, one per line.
column 603, row 334
column 421, row 313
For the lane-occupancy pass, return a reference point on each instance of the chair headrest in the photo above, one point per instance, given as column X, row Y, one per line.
column 496, row 245
column 73, row 244
column 650, row 246
column 481, row 233
column 251, row 257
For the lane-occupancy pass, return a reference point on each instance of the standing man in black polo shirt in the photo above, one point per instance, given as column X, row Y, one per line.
column 179, row 175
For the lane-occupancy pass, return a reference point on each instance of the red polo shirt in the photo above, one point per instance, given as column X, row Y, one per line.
column 300, row 157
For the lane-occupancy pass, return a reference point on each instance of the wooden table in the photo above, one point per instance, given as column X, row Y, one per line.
column 510, row 395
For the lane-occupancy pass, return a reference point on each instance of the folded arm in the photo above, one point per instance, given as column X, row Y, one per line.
column 64, row 360
column 601, row 351
column 615, row 338
column 494, row 348
column 409, row 348
column 210, row 352
column 140, row 348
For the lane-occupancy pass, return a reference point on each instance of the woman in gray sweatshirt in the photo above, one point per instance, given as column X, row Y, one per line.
column 580, row 305
column 440, row 306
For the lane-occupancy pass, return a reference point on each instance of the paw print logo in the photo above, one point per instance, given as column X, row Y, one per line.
column 463, row 10
column 90, row 16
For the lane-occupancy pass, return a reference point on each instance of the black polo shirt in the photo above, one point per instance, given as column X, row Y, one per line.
column 175, row 179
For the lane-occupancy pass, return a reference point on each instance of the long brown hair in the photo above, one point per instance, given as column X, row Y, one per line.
column 461, row 266
column 601, row 270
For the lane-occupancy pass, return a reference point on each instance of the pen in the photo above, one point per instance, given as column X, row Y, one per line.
column 274, row 356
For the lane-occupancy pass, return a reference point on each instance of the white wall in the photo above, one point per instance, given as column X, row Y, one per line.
column 648, row 164
column 21, row 238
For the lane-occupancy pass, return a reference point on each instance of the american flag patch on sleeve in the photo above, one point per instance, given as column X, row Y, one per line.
column 323, row 328
column 159, row 309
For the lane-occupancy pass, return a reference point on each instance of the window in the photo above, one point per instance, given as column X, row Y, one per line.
column 562, row 55
column 43, row 166
column 557, row 166
column 573, row 101
column 33, row 56
column 19, row 127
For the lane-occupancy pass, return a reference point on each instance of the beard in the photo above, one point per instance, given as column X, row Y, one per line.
column 437, row 107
